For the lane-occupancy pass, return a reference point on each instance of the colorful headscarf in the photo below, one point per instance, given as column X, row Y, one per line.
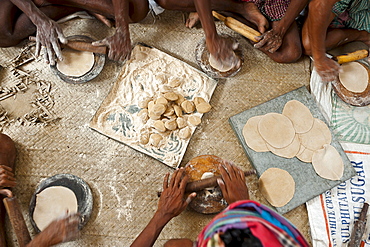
column 269, row 227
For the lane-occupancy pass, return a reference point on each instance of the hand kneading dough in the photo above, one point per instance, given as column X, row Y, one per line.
column 277, row 186
column 75, row 63
column 53, row 203
column 300, row 116
column 328, row 163
column 221, row 66
column 252, row 137
column 354, row 77
column 276, row 129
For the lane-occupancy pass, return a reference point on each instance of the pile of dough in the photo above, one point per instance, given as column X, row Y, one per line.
column 277, row 186
column 223, row 66
column 294, row 133
column 53, row 203
column 75, row 63
column 170, row 112
column 354, row 77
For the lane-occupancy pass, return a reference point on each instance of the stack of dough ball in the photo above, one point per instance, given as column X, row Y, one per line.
column 295, row 133
column 171, row 112
column 354, row 77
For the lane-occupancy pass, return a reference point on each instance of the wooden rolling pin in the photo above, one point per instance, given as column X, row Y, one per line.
column 206, row 183
column 238, row 27
column 350, row 57
column 16, row 219
column 81, row 46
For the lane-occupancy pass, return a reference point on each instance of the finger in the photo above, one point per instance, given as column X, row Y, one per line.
column 224, row 174
column 222, row 185
column 102, row 42
column 38, row 48
column 7, row 168
column 57, row 50
column 184, row 182
column 178, row 177
column 172, row 180
column 261, row 43
column 165, row 181
column 61, row 37
column 7, row 183
column 46, row 58
column 190, row 198
column 50, row 56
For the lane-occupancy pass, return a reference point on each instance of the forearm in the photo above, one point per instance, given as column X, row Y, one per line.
column 121, row 14
column 151, row 232
column 319, row 18
column 31, row 10
column 204, row 11
column 41, row 240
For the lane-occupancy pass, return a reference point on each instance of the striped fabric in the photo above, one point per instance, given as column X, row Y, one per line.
column 352, row 14
column 273, row 10
column 268, row 226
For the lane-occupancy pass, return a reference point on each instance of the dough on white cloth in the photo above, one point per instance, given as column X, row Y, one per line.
column 75, row 63
column 276, row 129
column 300, row 116
column 252, row 137
column 277, row 186
column 328, row 163
column 52, row 203
column 354, row 77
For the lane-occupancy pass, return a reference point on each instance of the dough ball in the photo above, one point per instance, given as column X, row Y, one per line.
column 252, row 137
column 159, row 125
column 144, row 102
column 158, row 109
column 188, row 106
column 161, row 100
column 277, row 186
column 75, row 63
column 194, row 120
column 171, row 96
column 328, row 163
column 144, row 138
column 154, row 116
column 289, row 151
column 178, row 110
column 198, row 100
column 169, row 111
column 300, row 116
column 276, row 129
column 155, row 139
column 203, row 107
column 181, row 122
column 150, row 105
column 317, row 136
column 144, row 115
column 171, row 124
column 53, row 203
column 180, row 99
column 354, row 77
column 185, row 133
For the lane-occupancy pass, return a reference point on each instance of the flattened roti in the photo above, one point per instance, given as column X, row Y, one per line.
column 75, row 63
column 354, row 77
column 252, row 137
column 277, row 186
column 53, row 203
column 328, row 163
column 317, row 136
column 300, row 116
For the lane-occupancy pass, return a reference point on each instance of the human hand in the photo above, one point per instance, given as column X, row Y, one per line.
column 48, row 36
column 222, row 49
column 172, row 201
column 327, row 68
column 7, row 178
column 119, row 45
column 61, row 230
column 269, row 41
column 232, row 184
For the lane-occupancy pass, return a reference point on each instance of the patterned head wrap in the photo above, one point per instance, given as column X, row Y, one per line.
column 268, row 226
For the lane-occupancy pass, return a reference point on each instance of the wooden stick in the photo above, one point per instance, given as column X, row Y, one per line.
column 350, row 57
column 81, row 46
column 238, row 27
column 16, row 219
column 359, row 228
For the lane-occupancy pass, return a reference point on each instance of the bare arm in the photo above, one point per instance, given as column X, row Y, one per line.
column 120, row 43
column 7, row 178
column 171, row 203
column 318, row 20
column 272, row 39
column 48, row 32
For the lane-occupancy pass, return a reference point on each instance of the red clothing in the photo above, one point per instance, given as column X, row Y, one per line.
column 273, row 10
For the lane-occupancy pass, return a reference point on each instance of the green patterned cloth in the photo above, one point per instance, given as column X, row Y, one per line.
column 352, row 14
column 350, row 123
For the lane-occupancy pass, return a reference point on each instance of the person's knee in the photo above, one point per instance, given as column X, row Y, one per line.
column 166, row 4
column 7, row 39
column 289, row 56
column 306, row 45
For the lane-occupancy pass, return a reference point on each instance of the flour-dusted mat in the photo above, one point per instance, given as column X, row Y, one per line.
column 307, row 183
column 147, row 75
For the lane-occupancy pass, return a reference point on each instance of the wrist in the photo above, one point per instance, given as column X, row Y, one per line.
column 161, row 218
